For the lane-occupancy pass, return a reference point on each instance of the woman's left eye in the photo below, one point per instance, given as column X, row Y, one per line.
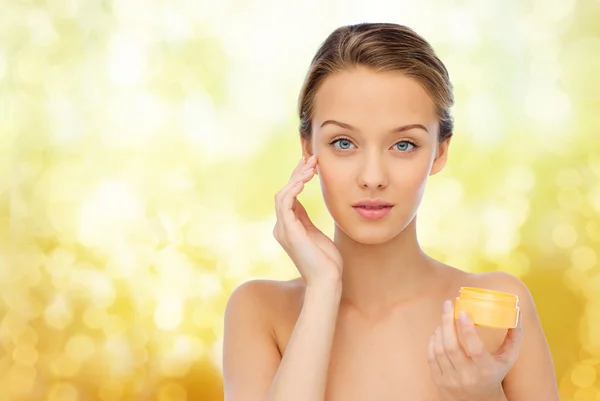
column 404, row 146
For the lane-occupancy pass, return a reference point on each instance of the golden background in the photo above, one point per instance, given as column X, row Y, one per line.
column 141, row 144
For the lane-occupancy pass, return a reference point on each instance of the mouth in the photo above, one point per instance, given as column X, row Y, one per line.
column 372, row 212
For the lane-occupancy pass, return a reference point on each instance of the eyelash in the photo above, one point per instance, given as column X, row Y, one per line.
column 415, row 145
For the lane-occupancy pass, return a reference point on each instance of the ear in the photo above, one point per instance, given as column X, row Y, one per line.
column 306, row 147
column 307, row 150
column 441, row 157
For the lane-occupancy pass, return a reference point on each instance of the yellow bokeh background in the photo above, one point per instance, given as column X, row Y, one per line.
column 141, row 144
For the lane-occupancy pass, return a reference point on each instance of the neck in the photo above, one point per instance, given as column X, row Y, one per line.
column 378, row 276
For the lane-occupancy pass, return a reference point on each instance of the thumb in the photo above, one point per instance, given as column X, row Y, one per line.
column 510, row 346
column 301, row 214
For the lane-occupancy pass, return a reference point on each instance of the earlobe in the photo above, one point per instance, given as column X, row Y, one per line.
column 441, row 158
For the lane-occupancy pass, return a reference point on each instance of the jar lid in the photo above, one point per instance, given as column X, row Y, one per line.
column 492, row 295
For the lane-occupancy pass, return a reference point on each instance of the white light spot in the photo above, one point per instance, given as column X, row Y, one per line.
column 127, row 61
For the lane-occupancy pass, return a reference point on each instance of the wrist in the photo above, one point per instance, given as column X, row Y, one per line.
column 329, row 288
column 498, row 396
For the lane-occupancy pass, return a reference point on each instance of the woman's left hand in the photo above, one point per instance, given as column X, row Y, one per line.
column 463, row 369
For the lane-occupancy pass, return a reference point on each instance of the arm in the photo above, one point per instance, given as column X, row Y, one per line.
column 252, row 367
column 532, row 376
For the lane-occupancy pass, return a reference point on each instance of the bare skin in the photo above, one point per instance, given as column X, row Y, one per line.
column 381, row 355
column 357, row 323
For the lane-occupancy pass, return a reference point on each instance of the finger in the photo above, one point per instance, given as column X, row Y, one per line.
column 301, row 170
column 285, row 202
column 440, row 354
column 452, row 345
column 512, row 341
column 434, row 366
column 471, row 342
column 301, row 173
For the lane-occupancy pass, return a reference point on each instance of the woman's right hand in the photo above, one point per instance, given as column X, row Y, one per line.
column 316, row 257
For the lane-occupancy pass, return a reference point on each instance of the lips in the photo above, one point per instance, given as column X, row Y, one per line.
column 372, row 203
column 372, row 209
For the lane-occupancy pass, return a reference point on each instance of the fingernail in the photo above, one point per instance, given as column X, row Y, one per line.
column 313, row 157
column 447, row 306
column 463, row 317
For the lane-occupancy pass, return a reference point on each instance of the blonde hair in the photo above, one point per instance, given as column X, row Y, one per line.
column 381, row 47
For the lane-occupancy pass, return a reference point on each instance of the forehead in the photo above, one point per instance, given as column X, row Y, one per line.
column 364, row 96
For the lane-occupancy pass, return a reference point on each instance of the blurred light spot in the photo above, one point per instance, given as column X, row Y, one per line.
column 167, row 315
column 21, row 379
column 30, row 66
column 25, row 355
column 102, row 292
column 123, row 261
column 586, row 394
column 564, row 235
column 198, row 120
column 500, row 232
column 483, row 120
column 28, row 337
column 2, row 68
column 583, row 375
column 548, row 106
column 570, row 199
column 520, row 178
column 594, row 165
column 593, row 230
column 63, row 392
column 594, row 197
column 120, row 355
column 574, row 279
column 552, row 11
column 584, row 258
column 172, row 392
column 176, row 26
column 204, row 317
column 462, row 29
column 106, row 214
column 41, row 28
column 110, row 391
column 114, row 325
column 94, row 317
column 63, row 8
column 545, row 67
column 58, row 314
column 80, row 347
column 568, row 178
column 127, row 61
column 65, row 367
column 581, row 63
column 65, row 122
column 137, row 335
column 209, row 285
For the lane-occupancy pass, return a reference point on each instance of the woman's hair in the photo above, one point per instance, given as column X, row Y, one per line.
column 381, row 47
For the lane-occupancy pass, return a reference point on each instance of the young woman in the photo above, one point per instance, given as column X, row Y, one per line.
column 371, row 315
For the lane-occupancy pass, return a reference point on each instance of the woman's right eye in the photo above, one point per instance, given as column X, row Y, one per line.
column 343, row 143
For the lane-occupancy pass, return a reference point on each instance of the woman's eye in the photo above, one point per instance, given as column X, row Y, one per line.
column 344, row 143
column 403, row 146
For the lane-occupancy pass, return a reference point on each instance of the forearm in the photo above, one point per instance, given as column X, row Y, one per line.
column 302, row 373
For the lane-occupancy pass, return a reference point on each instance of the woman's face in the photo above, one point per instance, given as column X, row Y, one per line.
column 376, row 138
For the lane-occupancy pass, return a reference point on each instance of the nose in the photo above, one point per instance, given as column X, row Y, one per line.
column 373, row 173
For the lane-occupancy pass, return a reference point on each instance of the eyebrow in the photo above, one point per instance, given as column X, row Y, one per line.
column 351, row 128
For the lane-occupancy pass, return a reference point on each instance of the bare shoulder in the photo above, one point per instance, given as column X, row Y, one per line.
column 505, row 282
column 267, row 298
column 532, row 376
column 250, row 351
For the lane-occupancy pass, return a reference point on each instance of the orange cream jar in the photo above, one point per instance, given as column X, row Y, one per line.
column 488, row 307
